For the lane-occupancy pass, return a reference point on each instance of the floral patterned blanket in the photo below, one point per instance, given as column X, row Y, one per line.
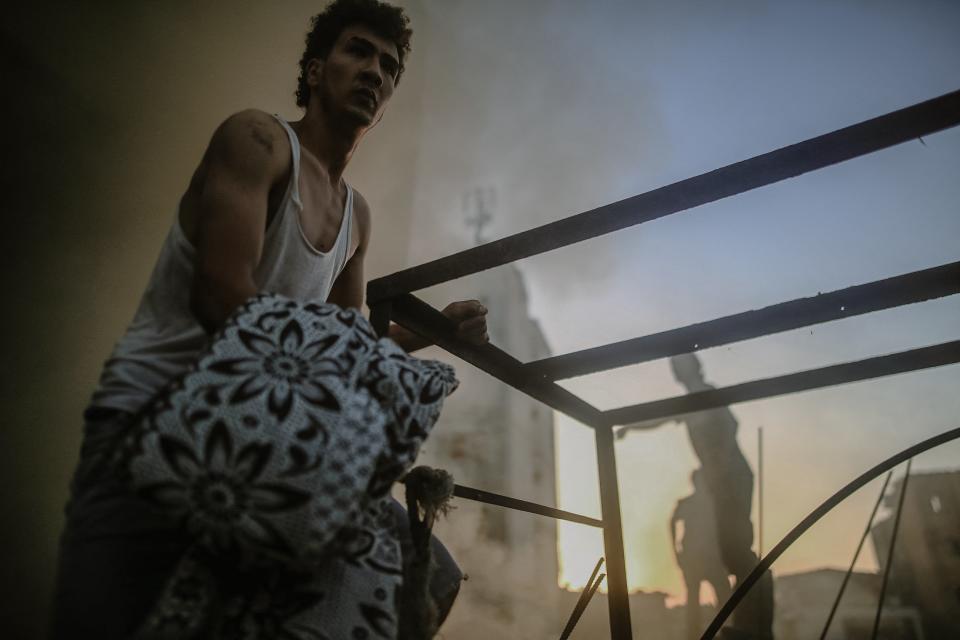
column 276, row 452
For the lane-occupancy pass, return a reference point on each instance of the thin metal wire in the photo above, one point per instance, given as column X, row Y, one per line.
column 856, row 555
column 893, row 543
column 588, row 590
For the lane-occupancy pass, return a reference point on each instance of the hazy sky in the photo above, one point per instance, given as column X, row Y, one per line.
column 564, row 106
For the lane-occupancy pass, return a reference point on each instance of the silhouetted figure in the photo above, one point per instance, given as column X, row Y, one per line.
column 698, row 551
column 713, row 436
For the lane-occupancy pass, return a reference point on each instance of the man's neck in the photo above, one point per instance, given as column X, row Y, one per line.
column 332, row 144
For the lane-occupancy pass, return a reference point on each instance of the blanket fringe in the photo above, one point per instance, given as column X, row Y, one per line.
column 428, row 494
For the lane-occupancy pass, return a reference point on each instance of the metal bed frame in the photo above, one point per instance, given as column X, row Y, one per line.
column 391, row 299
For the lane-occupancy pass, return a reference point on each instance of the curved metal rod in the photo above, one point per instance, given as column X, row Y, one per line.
column 814, row 516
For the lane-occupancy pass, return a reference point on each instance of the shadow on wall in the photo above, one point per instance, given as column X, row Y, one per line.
column 58, row 139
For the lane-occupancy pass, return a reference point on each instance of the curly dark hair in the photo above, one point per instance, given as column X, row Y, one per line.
column 387, row 21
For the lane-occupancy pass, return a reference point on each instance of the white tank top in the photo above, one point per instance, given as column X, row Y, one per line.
column 164, row 337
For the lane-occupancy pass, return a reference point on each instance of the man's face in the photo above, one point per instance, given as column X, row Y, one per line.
column 357, row 78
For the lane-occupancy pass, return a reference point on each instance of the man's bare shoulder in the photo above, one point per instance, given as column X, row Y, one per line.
column 248, row 153
column 251, row 132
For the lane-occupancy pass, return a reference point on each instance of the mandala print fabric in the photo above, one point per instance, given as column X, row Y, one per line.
column 277, row 452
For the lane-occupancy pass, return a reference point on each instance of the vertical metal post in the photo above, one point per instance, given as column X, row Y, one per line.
column 617, row 597
column 760, row 492
column 760, row 510
column 893, row 542
column 380, row 317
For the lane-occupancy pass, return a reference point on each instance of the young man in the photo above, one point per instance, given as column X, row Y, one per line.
column 266, row 210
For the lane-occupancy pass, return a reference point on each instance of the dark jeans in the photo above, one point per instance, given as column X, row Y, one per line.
column 116, row 553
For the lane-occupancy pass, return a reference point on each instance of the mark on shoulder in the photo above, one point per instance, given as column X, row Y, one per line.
column 256, row 125
column 263, row 135
column 251, row 146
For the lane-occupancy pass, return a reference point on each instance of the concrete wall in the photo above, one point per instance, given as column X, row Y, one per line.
column 495, row 438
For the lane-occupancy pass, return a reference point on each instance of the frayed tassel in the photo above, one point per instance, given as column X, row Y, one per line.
column 428, row 494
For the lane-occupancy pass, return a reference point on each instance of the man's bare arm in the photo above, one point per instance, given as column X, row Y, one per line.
column 245, row 158
column 469, row 316
column 348, row 291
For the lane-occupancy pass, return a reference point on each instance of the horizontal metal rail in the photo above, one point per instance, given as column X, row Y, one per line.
column 918, row 286
column 876, row 367
column 764, row 565
column 844, row 144
column 424, row 320
column 522, row 505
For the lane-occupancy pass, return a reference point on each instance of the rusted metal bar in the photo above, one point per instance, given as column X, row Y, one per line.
column 876, row 367
column 767, row 561
column 850, row 142
column 424, row 320
column 488, row 497
column 918, row 286
column 893, row 543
